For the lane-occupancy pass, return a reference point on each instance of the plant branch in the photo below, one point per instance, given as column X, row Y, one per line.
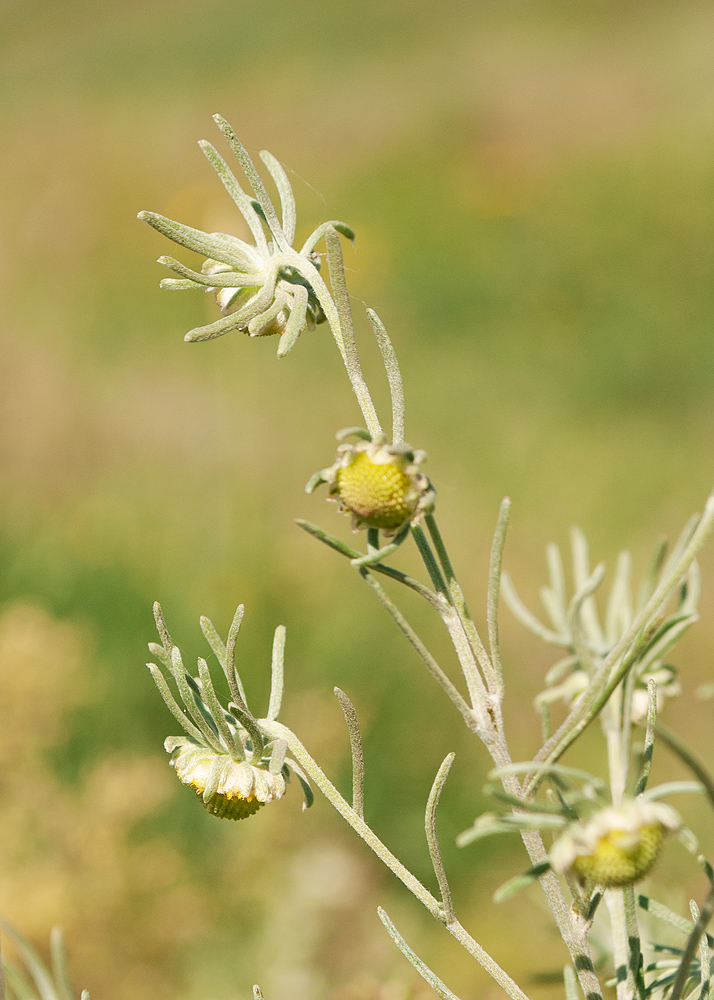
column 276, row 730
column 424, row 971
column 342, row 302
column 459, row 603
column 685, row 965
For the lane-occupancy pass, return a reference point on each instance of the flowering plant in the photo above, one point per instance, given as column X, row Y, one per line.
column 589, row 840
column 606, row 835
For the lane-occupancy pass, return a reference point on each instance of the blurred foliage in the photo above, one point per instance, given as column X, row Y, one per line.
column 531, row 186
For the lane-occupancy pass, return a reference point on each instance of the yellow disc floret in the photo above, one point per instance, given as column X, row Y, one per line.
column 378, row 492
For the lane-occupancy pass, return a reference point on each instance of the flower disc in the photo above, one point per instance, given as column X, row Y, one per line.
column 621, row 857
column 380, row 494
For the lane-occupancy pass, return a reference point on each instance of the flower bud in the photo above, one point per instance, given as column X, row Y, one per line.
column 617, row 846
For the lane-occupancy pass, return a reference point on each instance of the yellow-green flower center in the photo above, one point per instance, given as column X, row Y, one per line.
column 226, row 805
column 621, row 857
column 379, row 493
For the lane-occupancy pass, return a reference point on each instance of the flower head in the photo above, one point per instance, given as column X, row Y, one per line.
column 617, row 846
column 379, row 484
column 228, row 788
column 226, row 757
column 265, row 287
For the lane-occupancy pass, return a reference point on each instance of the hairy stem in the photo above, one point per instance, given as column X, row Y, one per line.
column 276, row 730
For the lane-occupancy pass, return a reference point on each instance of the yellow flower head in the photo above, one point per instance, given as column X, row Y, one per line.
column 228, row 788
column 227, row 757
column 379, row 484
column 617, row 846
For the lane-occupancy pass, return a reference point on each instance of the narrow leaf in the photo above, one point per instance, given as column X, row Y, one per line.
column 424, row 971
column 236, row 192
column 285, row 192
column 432, row 838
column 520, row 882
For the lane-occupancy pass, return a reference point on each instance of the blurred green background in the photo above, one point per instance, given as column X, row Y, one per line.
column 532, row 189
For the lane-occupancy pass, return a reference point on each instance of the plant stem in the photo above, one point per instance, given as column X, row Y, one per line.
column 675, row 744
column 459, row 603
column 351, row 358
column 336, row 310
column 494, row 590
column 416, row 643
column 633, row 939
column 484, row 959
column 685, row 966
column 440, row 988
column 276, row 730
column 616, row 908
column 573, row 928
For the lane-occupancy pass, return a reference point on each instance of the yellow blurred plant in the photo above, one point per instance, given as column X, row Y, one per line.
column 69, row 851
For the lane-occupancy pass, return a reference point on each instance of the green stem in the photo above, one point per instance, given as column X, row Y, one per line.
column 455, row 627
column 440, row 988
column 436, row 600
column 432, row 567
column 613, row 737
column 311, row 768
column 494, row 590
column 685, row 966
column 336, row 310
column 633, row 938
column 675, row 744
column 648, row 747
column 572, row 927
column 351, row 358
column 485, row 960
